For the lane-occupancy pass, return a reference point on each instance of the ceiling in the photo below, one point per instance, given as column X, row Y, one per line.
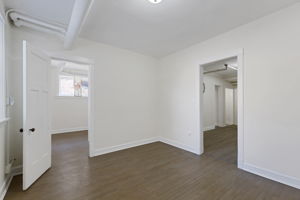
column 228, row 75
column 58, row 11
column 70, row 67
column 154, row 29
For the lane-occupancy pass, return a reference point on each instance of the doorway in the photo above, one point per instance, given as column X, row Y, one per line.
column 37, row 111
column 219, row 106
column 71, row 94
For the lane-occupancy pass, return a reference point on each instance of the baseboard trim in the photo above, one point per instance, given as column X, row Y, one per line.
column 177, row 145
column 4, row 188
column 17, row 170
column 208, row 128
column 275, row 176
column 106, row 150
column 68, row 130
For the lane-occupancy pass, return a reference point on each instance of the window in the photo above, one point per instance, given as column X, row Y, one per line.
column 73, row 85
column 72, row 78
column 2, row 70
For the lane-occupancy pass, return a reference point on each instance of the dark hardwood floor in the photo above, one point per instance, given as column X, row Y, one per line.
column 155, row 171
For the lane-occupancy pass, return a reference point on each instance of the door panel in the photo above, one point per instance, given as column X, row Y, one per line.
column 37, row 142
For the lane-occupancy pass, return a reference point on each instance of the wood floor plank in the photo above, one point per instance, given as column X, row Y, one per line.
column 156, row 171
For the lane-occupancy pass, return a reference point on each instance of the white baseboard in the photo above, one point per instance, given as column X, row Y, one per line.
column 5, row 186
column 106, row 150
column 17, row 170
column 3, row 189
column 177, row 144
column 101, row 151
column 68, row 130
column 275, row 176
column 208, row 128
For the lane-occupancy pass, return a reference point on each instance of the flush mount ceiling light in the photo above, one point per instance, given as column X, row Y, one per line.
column 155, row 1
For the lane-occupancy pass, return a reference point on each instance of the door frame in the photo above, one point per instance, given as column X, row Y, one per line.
column 91, row 93
column 199, row 101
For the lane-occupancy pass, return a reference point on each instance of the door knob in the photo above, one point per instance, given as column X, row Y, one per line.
column 32, row 129
column 21, row 130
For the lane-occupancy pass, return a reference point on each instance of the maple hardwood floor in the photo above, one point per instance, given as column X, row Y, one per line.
column 155, row 171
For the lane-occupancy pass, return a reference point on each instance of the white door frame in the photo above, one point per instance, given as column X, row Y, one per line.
column 199, row 101
column 91, row 94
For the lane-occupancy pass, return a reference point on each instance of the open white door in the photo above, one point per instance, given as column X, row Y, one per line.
column 36, row 136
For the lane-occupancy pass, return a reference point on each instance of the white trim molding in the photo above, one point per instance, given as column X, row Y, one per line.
column 17, row 170
column 105, row 150
column 272, row 175
column 4, row 188
column 208, row 128
column 239, row 53
column 177, row 144
column 68, row 130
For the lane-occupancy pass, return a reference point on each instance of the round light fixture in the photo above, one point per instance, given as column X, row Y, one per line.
column 155, row 1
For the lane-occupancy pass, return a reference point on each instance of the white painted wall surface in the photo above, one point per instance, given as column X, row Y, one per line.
column 271, row 61
column 2, row 135
column 210, row 120
column 125, row 89
column 2, row 157
column 229, row 107
column 235, row 106
column 67, row 113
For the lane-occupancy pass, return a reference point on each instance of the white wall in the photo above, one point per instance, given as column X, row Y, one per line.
column 209, row 98
column 67, row 113
column 229, row 107
column 235, row 106
column 2, row 157
column 125, row 89
column 271, row 103
column 2, row 138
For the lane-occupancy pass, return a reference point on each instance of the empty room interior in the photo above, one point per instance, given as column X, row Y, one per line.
column 149, row 99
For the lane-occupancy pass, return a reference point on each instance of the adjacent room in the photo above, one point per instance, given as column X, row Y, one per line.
column 220, row 121
column 69, row 92
column 149, row 99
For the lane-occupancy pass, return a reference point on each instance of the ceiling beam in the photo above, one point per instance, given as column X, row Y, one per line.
column 80, row 11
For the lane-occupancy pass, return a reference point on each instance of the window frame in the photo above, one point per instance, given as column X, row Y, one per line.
column 59, row 85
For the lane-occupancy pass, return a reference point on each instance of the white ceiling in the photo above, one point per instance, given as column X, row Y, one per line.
column 160, row 29
column 58, row 11
column 154, row 29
